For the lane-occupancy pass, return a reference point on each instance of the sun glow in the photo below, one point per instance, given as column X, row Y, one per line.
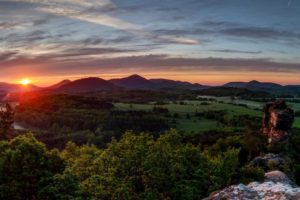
column 25, row 81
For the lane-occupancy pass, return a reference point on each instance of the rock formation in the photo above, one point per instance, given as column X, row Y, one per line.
column 276, row 186
column 277, row 122
column 270, row 161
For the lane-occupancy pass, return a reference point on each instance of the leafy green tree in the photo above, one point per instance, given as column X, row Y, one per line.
column 221, row 169
column 24, row 164
column 140, row 167
column 60, row 187
column 6, row 120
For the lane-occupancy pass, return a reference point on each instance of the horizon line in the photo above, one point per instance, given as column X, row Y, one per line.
column 108, row 77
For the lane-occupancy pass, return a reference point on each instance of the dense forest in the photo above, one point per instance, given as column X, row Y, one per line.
column 95, row 118
column 135, row 167
column 82, row 147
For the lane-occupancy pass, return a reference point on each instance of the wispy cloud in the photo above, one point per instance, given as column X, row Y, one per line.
column 240, row 30
column 6, row 56
column 236, row 51
column 81, row 10
column 8, row 25
column 88, row 36
column 259, row 33
column 58, row 64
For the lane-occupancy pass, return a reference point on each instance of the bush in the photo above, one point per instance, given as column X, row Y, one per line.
column 24, row 164
column 140, row 167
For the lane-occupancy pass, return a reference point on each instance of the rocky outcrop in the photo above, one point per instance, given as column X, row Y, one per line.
column 276, row 186
column 270, row 161
column 277, row 122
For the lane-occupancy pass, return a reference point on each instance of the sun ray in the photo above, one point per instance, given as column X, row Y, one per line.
column 25, row 81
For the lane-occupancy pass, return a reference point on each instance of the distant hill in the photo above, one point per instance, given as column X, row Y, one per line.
column 59, row 84
column 254, row 85
column 2, row 95
column 166, row 83
column 8, row 87
column 91, row 84
column 292, row 89
column 134, row 82
column 232, row 91
column 138, row 82
column 266, row 87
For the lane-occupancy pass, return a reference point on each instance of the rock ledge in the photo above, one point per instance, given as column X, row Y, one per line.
column 276, row 186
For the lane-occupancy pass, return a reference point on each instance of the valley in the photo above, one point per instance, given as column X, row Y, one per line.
column 219, row 126
column 149, row 100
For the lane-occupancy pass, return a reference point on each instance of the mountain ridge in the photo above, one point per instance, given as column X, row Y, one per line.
column 265, row 86
column 90, row 84
column 137, row 82
column 134, row 81
column 59, row 84
column 253, row 83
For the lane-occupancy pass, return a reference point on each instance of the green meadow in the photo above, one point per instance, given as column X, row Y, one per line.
column 188, row 122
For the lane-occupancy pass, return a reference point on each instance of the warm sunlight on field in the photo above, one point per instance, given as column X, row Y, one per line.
column 25, row 81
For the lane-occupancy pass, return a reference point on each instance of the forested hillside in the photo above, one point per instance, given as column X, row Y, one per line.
column 81, row 147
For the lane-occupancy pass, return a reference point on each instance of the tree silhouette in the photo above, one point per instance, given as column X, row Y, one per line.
column 6, row 120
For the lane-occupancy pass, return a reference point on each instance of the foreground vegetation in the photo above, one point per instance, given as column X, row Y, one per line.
column 81, row 147
column 135, row 167
column 96, row 117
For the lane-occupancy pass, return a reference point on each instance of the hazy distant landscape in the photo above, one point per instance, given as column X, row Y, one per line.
column 181, row 105
column 88, row 118
column 149, row 100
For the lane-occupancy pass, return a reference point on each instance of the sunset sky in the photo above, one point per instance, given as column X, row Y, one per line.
column 204, row 41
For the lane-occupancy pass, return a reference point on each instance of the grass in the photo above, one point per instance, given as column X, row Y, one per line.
column 190, row 107
column 251, row 104
column 294, row 106
column 297, row 122
column 196, row 125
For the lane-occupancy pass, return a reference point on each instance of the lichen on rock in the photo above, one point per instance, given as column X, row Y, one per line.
column 277, row 122
column 276, row 186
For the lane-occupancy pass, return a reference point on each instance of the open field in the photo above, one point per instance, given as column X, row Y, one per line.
column 257, row 105
column 297, row 122
column 193, row 124
column 191, row 107
column 187, row 121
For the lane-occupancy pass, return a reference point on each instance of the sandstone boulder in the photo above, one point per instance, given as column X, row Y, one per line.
column 276, row 186
column 269, row 160
column 277, row 121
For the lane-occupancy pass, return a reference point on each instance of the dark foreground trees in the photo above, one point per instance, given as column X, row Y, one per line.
column 6, row 120
column 24, row 164
column 135, row 167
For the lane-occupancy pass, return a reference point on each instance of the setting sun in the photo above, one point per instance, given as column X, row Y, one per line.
column 25, row 81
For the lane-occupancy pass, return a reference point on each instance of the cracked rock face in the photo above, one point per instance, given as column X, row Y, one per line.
column 277, row 186
column 264, row 161
column 277, row 122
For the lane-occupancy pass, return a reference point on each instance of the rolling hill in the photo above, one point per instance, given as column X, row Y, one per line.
column 138, row 82
column 59, row 84
column 91, row 84
column 254, row 85
column 266, row 87
column 134, row 82
column 171, row 84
